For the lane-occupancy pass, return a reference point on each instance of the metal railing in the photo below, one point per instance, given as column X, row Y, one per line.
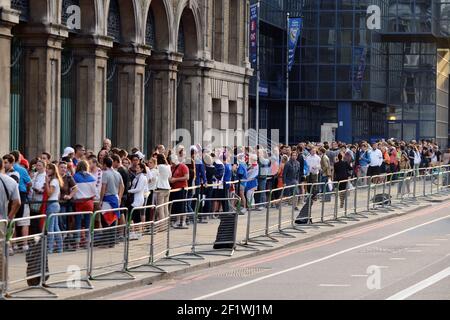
column 99, row 251
column 3, row 255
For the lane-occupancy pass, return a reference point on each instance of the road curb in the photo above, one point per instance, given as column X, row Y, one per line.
column 206, row 265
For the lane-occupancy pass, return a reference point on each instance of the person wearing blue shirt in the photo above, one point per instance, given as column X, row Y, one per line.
column 24, row 187
column 241, row 175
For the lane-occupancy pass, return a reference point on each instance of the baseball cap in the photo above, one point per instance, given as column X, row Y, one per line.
column 68, row 151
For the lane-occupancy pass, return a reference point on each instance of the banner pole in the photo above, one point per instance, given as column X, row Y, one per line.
column 287, row 79
column 258, row 76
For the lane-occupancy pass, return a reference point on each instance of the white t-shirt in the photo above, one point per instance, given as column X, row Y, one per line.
column 376, row 158
column 152, row 176
column 12, row 188
column 313, row 164
column 55, row 195
column 164, row 174
column 417, row 158
column 38, row 183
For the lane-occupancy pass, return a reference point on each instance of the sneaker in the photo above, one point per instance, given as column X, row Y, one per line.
column 133, row 236
column 175, row 225
column 26, row 247
column 243, row 211
column 11, row 252
column 184, row 226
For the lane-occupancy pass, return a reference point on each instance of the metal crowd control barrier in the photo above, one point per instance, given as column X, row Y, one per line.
column 108, row 246
column 226, row 237
column 177, row 248
column 26, row 263
column 78, row 244
column 293, row 198
column 328, row 201
column 3, row 255
column 141, row 245
column 258, row 221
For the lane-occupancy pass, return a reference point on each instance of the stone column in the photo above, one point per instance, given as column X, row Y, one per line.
column 193, row 80
column 8, row 18
column 43, row 45
column 92, row 58
column 131, row 73
column 165, row 66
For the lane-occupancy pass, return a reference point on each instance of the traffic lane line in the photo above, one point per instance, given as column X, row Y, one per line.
column 335, row 239
column 287, row 252
column 408, row 292
column 319, row 260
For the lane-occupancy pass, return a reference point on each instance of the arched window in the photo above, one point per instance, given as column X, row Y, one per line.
column 68, row 98
column 17, row 94
column 150, row 35
column 181, row 38
column 22, row 6
column 233, row 32
column 114, row 24
column 218, row 30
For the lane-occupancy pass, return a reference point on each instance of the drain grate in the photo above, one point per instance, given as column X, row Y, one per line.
column 242, row 272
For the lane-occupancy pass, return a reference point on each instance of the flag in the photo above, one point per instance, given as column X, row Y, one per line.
column 294, row 30
column 254, row 19
column 111, row 202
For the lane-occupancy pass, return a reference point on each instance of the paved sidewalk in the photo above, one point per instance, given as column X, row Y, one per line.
column 181, row 243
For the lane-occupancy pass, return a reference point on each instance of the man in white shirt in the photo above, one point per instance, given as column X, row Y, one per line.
column 376, row 160
column 313, row 161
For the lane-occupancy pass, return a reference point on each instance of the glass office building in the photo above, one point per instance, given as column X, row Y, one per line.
column 373, row 76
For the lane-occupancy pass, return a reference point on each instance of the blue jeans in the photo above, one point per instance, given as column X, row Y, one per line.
column 53, row 226
column 63, row 220
column 262, row 183
column 78, row 220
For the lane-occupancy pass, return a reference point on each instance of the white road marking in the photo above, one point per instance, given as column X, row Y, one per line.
column 398, row 259
column 414, row 251
column 428, row 245
column 360, row 275
column 244, row 284
column 402, row 295
column 440, row 239
column 335, row 285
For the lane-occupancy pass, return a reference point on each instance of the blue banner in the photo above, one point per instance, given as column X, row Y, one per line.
column 254, row 22
column 294, row 30
column 359, row 68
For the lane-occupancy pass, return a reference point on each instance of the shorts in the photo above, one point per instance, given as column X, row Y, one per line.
column 24, row 211
column 26, row 214
column 373, row 171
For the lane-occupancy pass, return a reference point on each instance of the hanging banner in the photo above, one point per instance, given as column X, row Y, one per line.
column 359, row 68
column 254, row 17
column 294, row 30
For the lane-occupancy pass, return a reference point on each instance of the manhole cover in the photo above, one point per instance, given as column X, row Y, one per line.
column 242, row 272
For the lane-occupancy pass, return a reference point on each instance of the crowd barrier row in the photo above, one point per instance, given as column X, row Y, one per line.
column 94, row 250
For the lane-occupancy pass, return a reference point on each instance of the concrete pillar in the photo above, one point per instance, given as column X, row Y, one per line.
column 43, row 45
column 8, row 19
column 165, row 67
column 130, row 120
column 91, row 56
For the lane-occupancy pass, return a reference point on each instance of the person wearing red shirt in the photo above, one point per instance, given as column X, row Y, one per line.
column 179, row 183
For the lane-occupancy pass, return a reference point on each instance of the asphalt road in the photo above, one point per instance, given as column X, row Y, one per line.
column 403, row 258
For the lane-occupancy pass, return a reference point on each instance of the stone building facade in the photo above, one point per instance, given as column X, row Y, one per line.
column 129, row 70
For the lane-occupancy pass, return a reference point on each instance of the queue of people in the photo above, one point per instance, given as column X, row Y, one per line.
column 84, row 182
